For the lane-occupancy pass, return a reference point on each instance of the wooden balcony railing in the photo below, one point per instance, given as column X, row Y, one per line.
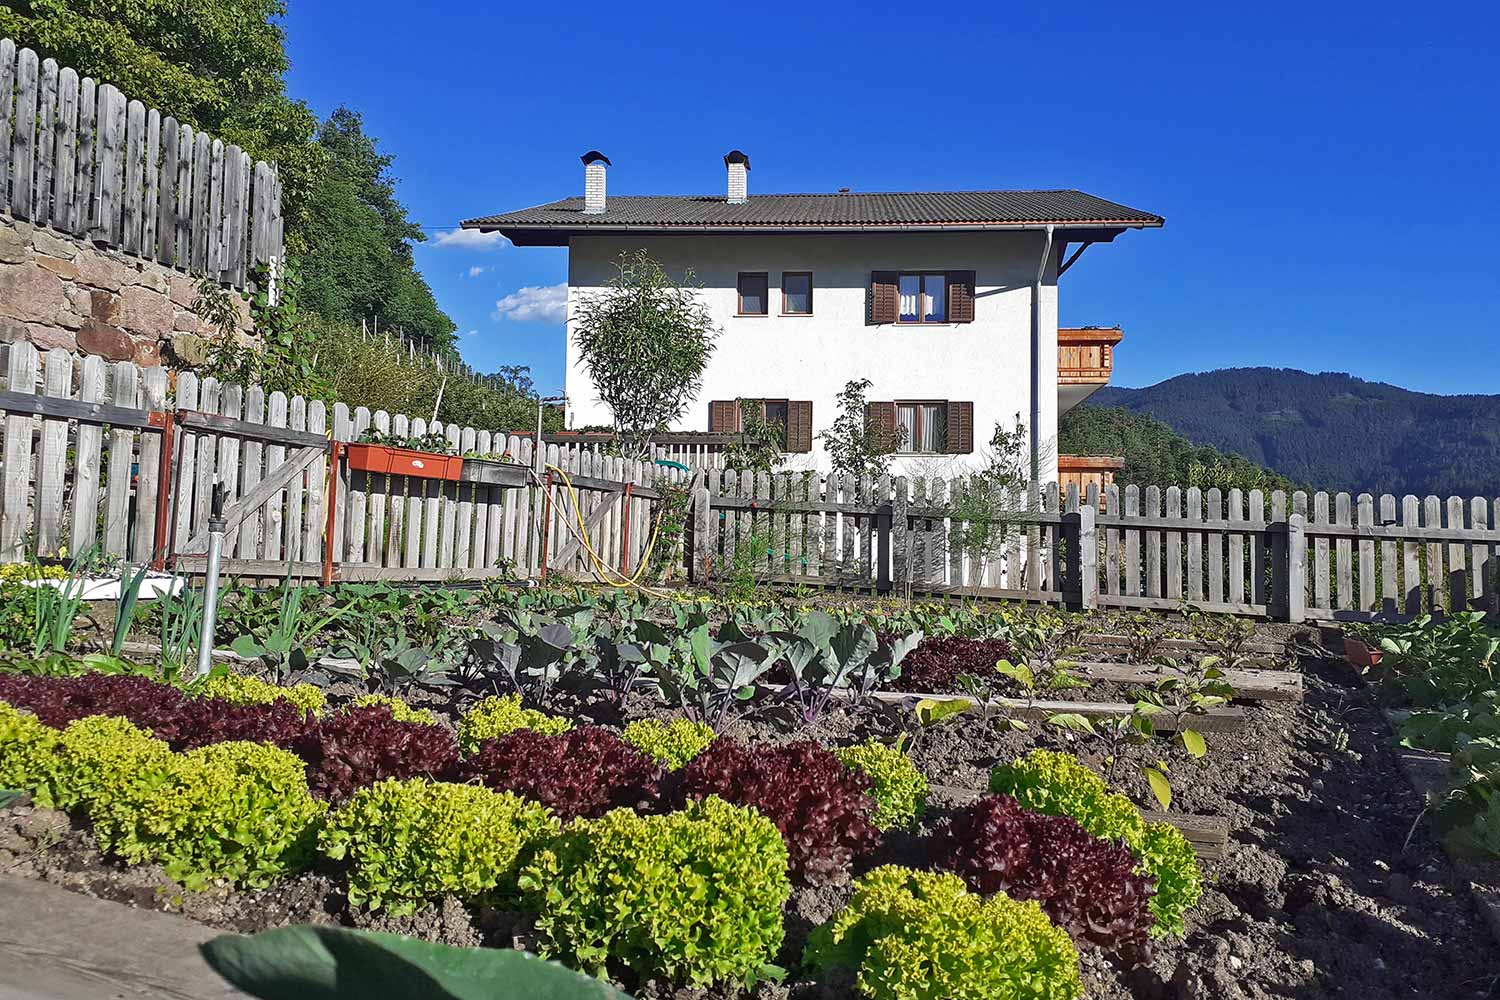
column 1085, row 355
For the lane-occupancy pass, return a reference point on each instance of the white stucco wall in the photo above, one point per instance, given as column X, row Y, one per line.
column 812, row 357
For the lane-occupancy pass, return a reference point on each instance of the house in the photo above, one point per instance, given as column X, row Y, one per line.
column 945, row 301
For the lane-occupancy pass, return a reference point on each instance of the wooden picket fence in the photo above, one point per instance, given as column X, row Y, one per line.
column 80, row 157
column 84, row 465
column 1277, row 555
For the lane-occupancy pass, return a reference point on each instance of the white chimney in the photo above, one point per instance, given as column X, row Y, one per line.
column 594, row 163
column 738, row 165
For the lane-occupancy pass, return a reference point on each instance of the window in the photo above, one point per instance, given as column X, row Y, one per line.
column 796, row 293
column 774, row 412
column 753, row 293
column 924, row 298
column 923, row 427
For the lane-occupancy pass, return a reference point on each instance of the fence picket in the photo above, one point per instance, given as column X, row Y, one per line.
column 1458, row 577
column 1215, row 501
column 135, row 171
column 52, row 456
column 148, row 485
column 126, row 392
column 85, row 521
column 15, row 520
column 7, row 90
column 291, row 499
column 46, row 131
column 1432, row 517
column 1236, row 547
column 23, row 135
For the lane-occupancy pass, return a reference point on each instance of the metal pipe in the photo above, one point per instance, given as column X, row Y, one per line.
column 1036, row 358
column 216, row 528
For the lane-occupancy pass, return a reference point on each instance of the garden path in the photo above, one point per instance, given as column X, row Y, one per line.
column 58, row 945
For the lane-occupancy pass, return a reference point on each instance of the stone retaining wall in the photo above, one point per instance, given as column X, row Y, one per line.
column 60, row 292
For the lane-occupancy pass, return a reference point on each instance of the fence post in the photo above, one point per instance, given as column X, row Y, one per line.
column 883, row 549
column 1083, row 557
column 1296, row 568
column 702, row 550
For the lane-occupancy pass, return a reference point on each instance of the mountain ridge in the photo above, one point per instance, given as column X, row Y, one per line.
column 1332, row 430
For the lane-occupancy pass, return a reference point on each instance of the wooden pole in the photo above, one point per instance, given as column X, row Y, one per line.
column 332, row 525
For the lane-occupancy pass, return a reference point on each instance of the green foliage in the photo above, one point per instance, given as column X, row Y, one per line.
column 496, row 716
column 337, row 963
column 923, row 936
column 854, row 447
column 405, row 842
column 236, row 811
column 692, row 897
column 1156, row 455
column 671, row 744
column 243, row 690
column 899, row 789
column 762, row 445
column 1430, row 661
column 400, row 710
column 986, row 501
column 96, row 762
column 27, row 749
column 644, row 342
column 1333, row 430
column 1059, row 785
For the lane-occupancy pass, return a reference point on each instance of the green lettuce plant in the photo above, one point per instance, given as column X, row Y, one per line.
column 692, row 897
column 912, row 935
column 242, row 690
column 671, row 744
column 496, row 716
column 405, row 842
column 899, row 789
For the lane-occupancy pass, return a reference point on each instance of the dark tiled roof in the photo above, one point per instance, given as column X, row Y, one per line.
column 891, row 209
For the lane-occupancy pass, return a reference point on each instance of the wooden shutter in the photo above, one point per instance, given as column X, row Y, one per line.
column 883, row 301
column 880, row 425
column 960, row 296
column 799, row 432
column 723, row 416
column 960, row 428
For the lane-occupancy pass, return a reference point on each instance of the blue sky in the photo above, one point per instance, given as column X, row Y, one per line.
column 1328, row 172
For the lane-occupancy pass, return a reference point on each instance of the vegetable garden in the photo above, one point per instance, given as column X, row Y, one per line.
column 799, row 796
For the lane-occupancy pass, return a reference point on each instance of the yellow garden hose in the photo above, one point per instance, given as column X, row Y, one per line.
column 602, row 570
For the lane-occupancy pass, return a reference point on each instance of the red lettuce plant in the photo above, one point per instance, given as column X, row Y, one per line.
column 1087, row 885
column 365, row 744
column 584, row 772
column 212, row 720
column 822, row 808
column 936, row 665
column 57, row 701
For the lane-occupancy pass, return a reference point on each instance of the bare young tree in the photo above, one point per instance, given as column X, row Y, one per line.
column 644, row 342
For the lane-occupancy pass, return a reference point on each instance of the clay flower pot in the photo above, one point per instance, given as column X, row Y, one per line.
column 1360, row 653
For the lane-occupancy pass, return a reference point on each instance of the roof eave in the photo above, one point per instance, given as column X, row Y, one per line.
column 551, row 234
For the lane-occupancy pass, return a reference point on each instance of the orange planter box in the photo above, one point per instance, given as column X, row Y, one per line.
column 383, row 459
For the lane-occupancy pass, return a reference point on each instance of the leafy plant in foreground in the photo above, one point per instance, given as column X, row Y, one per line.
column 706, row 679
column 405, row 842
column 1088, row 886
column 827, row 659
column 912, row 935
column 822, row 809
column 319, row 962
column 692, row 897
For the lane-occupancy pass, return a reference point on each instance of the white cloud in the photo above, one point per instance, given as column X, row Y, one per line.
column 476, row 271
column 472, row 333
column 534, row 304
column 468, row 239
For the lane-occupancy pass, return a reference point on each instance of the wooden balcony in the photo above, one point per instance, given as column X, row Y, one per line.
column 1085, row 358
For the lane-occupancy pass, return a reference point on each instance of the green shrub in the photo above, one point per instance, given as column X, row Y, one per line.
column 493, row 716
column 242, row 690
column 409, row 841
column 670, row 744
column 237, row 811
column 694, row 896
column 400, row 710
column 27, row 749
column 914, row 935
column 899, row 789
column 1059, row 785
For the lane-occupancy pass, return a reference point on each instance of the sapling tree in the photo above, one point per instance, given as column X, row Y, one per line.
column 644, row 341
column 854, row 447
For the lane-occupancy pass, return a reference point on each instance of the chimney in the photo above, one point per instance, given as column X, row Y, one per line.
column 738, row 165
column 594, row 163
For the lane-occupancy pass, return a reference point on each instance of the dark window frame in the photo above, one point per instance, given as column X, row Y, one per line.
column 906, row 447
column 765, row 295
column 922, row 277
column 797, row 274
